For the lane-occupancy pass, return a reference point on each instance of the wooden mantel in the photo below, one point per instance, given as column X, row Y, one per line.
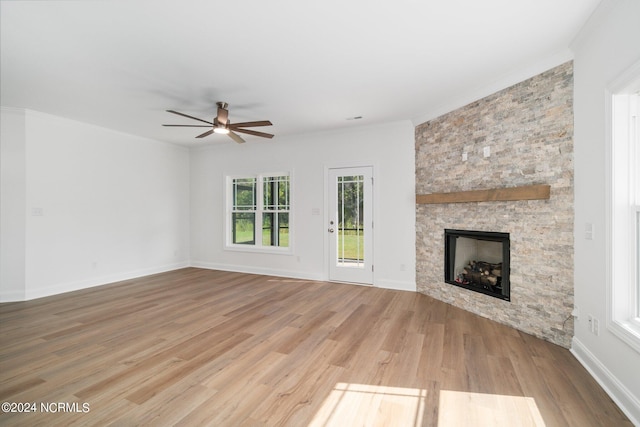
column 529, row 192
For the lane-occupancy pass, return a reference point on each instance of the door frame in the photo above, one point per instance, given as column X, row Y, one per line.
column 325, row 213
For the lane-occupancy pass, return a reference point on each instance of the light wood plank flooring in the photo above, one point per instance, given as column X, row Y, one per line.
column 201, row 347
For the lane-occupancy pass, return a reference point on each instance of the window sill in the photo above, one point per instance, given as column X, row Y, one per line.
column 261, row 250
column 628, row 331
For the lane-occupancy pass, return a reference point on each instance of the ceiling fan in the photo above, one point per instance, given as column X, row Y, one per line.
column 222, row 125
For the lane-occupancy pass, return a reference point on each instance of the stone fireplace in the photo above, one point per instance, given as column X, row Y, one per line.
column 518, row 137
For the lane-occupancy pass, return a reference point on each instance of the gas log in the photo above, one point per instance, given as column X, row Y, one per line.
column 483, row 273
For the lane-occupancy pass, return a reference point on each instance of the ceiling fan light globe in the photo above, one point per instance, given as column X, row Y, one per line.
column 221, row 130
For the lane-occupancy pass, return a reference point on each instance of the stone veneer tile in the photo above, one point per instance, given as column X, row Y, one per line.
column 529, row 128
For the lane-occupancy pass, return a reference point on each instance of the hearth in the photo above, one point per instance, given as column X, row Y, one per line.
column 478, row 261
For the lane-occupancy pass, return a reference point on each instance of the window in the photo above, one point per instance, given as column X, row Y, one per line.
column 243, row 216
column 624, row 210
column 259, row 212
column 275, row 211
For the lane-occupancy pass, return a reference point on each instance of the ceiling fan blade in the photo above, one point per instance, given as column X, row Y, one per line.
column 253, row 132
column 236, row 137
column 222, row 121
column 190, row 126
column 207, row 133
column 250, row 124
column 189, row 117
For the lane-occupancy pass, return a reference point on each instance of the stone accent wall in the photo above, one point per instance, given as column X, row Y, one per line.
column 529, row 129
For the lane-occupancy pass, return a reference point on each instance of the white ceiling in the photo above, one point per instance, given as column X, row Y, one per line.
column 307, row 66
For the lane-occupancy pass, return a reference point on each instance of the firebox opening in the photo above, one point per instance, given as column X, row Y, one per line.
column 478, row 261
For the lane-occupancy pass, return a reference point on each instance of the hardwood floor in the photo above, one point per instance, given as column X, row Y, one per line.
column 201, row 347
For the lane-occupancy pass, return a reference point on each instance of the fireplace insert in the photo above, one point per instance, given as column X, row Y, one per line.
column 478, row 261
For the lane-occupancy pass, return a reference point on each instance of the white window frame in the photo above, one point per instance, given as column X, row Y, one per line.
column 260, row 209
column 623, row 208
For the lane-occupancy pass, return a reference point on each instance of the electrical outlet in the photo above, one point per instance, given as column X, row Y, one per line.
column 486, row 151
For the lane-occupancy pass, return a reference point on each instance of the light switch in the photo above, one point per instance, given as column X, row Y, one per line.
column 588, row 231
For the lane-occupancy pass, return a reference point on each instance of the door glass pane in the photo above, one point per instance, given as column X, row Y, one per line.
column 350, row 251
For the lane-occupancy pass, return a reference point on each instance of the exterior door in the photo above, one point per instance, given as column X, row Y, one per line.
column 350, row 225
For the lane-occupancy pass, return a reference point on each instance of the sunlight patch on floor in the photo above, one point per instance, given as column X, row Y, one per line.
column 459, row 408
column 371, row 405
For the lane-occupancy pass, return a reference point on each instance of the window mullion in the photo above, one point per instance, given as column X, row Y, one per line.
column 275, row 229
column 259, row 210
column 634, row 143
column 634, row 291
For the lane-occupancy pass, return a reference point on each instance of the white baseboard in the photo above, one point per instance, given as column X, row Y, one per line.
column 61, row 288
column 385, row 284
column 103, row 280
column 257, row 270
column 628, row 403
column 12, row 296
column 396, row 285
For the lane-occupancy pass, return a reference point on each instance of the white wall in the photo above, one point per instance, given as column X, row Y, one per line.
column 12, row 204
column 389, row 148
column 114, row 206
column 605, row 48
